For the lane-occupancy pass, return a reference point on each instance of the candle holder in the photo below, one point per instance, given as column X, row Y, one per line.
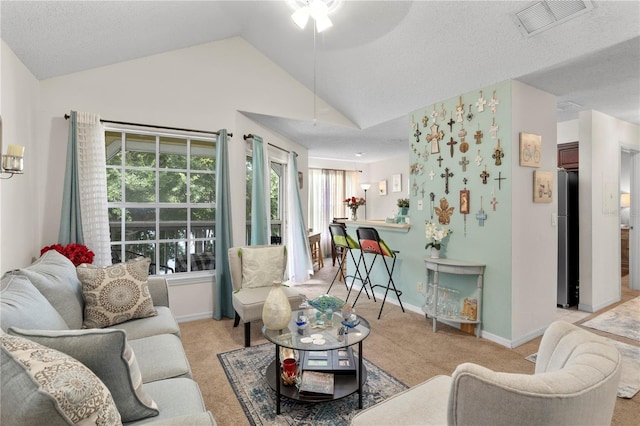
column 12, row 165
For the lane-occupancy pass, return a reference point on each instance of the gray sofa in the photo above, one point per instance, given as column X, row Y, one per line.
column 141, row 362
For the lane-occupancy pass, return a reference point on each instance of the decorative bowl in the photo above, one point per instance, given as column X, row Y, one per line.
column 326, row 302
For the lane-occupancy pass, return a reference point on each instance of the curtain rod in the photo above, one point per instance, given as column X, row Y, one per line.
column 153, row 126
column 250, row 136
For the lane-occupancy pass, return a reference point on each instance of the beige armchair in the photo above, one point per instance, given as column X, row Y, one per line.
column 253, row 270
column 575, row 383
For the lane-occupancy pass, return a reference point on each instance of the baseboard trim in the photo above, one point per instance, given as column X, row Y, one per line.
column 194, row 317
column 592, row 309
column 528, row 337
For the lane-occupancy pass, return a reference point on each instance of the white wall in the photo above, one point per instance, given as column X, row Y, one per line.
column 201, row 87
column 534, row 239
column 19, row 236
column 383, row 206
column 601, row 137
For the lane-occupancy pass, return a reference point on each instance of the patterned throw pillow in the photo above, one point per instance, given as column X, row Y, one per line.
column 108, row 355
column 55, row 379
column 115, row 293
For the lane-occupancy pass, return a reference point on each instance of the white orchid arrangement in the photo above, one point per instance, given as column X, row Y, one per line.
column 435, row 234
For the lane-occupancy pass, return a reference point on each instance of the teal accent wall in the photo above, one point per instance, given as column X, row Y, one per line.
column 489, row 244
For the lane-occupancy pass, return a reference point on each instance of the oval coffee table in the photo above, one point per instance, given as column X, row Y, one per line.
column 292, row 338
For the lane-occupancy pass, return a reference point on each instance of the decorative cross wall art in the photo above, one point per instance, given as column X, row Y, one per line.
column 460, row 111
column 464, row 146
column 434, row 137
column 417, row 133
column 464, row 162
column 498, row 154
column 432, row 198
column 451, row 143
column 464, row 206
column 494, row 103
column 499, row 179
column 484, row 175
column 480, row 103
column 478, row 159
column 481, row 215
column 478, row 136
column 451, row 123
column 446, row 175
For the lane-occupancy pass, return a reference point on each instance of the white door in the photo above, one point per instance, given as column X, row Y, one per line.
column 634, row 223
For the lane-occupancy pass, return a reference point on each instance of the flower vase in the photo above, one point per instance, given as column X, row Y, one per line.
column 276, row 312
column 354, row 214
column 435, row 253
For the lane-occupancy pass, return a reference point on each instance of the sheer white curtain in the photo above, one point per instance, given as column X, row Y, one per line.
column 92, row 180
column 327, row 191
column 298, row 253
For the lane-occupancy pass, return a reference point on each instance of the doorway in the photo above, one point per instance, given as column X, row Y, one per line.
column 630, row 217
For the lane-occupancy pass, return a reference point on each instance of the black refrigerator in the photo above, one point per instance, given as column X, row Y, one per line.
column 568, row 239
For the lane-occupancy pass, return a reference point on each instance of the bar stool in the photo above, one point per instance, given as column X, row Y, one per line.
column 370, row 242
column 343, row 243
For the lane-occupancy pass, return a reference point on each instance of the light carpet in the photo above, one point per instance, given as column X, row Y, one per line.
column 630, row 377
column 245, row 369
column 623, row 320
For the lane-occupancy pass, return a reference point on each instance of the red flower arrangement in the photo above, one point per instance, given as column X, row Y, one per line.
column 354, row 202
column 76, row 253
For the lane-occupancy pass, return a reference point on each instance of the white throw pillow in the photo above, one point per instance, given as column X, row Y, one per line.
column 261, row 266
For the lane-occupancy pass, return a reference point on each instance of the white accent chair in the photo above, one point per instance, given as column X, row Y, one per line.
column 575, row 383
column 253, row 280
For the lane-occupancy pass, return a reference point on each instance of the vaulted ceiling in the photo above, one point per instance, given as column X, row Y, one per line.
column 379, row 61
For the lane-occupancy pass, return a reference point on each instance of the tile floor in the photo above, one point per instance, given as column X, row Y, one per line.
column 571, row 315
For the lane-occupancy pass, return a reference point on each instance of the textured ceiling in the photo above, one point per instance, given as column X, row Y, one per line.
column 380, row 60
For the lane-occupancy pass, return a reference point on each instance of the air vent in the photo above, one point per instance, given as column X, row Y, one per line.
column 567, row 106
column 547, row 14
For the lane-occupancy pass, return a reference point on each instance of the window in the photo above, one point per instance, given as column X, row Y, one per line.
column 161, row 199
column 277, row 173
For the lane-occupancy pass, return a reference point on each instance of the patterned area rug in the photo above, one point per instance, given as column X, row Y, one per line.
column 245, row 369
column 630, row 377
column 623, row 320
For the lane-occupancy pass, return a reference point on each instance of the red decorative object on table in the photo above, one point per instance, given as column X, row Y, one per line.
column 76, row 253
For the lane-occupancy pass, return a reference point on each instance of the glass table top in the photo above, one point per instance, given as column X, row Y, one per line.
column 319, row 334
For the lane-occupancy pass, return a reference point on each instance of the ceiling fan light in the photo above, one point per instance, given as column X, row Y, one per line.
column 319, row 9
column 323, row 23
column 301, row 17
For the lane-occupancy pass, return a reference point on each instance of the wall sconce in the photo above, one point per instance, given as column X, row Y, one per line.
column 12, row 162
column 625, row 201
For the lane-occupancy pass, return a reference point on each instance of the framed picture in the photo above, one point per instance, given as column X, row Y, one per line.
column 464, row 201
column 530, row 150
column 382, row 187
column 542, row 186
column 396, row 183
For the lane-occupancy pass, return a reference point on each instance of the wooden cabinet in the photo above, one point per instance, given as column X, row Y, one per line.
column 568, row 155
column 624, row 251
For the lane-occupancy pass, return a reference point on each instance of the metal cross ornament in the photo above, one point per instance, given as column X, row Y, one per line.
column 460, row 111
column 431, row 174
column 480, row 103
column 439, row 160
column 494, row 130
column 415, row 188
column 417, row 133
column 446, row 175
column 498, row 154
column 494, row 103
column 434, row 114
column 464, row 146
column 464, row 163
column 451, row 122
column 451, row 143
column 432, row 198
column 484, row 175
column 425, row 120
column 478, row 159
column 478, row 136
column 470, row 114
column 481, row 215
column 494, row 203
column 500, row 179
column 443, row 113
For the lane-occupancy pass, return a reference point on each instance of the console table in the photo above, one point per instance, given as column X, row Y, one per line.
column 459, row 267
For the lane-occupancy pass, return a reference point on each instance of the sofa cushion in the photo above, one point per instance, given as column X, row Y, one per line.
column 161, row 357
column 55, row 277
column 109, row 356
column 261, row 266
column 22, row 305
column 176, row 397
column 40, row 384
column 163, row 323
column 116, row 293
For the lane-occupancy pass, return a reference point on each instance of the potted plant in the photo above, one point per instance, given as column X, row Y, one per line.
column 403, row 205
